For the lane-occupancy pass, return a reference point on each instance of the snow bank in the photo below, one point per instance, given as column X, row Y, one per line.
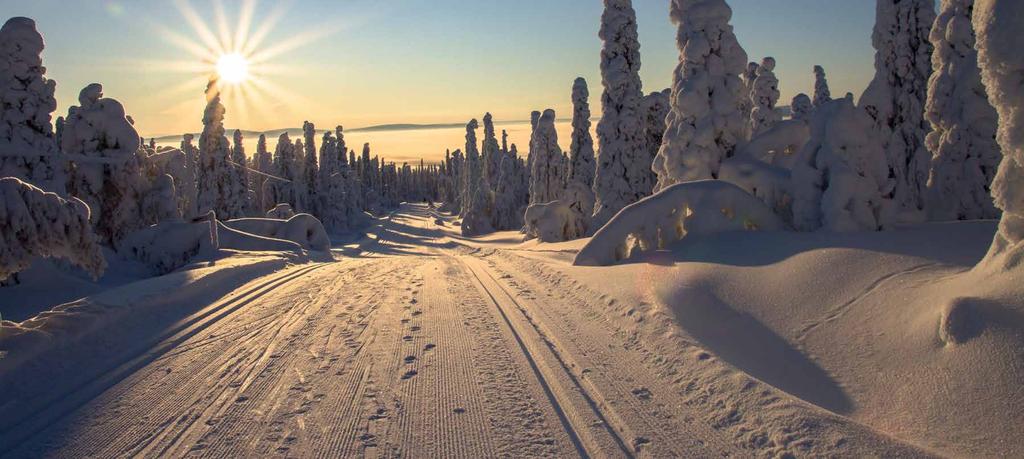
column 690, row 208
column 562, row 220
column 168, row 246
column 36, row 223
column 302, row 229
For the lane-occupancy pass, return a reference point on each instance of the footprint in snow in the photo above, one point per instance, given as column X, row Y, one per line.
column 409, row 374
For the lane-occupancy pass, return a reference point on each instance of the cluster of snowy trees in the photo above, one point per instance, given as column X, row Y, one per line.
column 920, row 144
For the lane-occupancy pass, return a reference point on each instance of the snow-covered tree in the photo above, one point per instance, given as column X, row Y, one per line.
column 108, row 176
column 264, row 162
column 654, row 107
column 748, row 77
column 582, row 166
column 217, row 192
column 821, row 91
column 310, row 169
column 239, row 177
column 705, row 123
column 895, row 98
column 476, row 219
column 547, row 176
column 801, row 107
column 763, row 96
column 998, row 24
column 285, row 168
column 965, row 154
column 490, row 152
column 622, row 168
column 35, row 223
column 840, row 178
column 27, row 147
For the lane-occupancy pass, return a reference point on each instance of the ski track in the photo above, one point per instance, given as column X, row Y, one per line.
column 421, row 347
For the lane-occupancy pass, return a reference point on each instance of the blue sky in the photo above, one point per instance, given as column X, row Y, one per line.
column 419, row 61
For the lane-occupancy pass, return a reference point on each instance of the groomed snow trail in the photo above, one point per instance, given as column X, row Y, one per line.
column 421, row 346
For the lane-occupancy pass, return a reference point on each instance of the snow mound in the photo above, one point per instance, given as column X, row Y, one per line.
column 282, row 211
column 168, row 246
column 302, row 229
column 37, row 223
column 689, row 208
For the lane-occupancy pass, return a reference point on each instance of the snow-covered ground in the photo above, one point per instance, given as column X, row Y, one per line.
column 421, row 342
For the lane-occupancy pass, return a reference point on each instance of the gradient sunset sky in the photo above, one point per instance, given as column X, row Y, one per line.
column 367, row 62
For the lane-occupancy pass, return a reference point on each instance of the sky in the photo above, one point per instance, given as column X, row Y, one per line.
column 367, row 62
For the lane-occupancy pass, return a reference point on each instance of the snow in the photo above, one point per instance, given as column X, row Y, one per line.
column 962, row 142
column 685, row 209
column 706, row 122
column 895, row 98
column 35, row 223
column 623, row 175
column 302, row 229
column 764, row 94
column 998, row 24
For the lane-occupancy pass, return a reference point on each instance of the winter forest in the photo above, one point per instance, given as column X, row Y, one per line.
column 694, row 271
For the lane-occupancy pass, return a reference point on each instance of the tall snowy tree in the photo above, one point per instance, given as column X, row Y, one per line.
column 476, row 218
column 895, row 98
column 623, row 175
column 111, row 185
column 654, row 108
column 264, row 162
column 490, row 152
column 27, row 147
column 240, row 178
column 821, row 91
column 547, row 176
column 216, row 188
column 998, row 24
column 763, row 96
column 965, row 154
column 190, row 192
column 582, row 166
column 705, row 123
column 310, row 169
column 285, row 166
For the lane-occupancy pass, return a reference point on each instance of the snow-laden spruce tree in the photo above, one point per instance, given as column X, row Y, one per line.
column 965, row 154
column 705, row 123
column 895, row 98
column 801, row 107
column 763, row 96
column 35, row 223
column 654, row 107
column 582, row 166
column 748, row 77
column 500, row 180
column 840, row 178
column 285, row 168
column 998, row 24
column 821, row 91
column 476, row 218
column 490, row 151
column 108, row 176
column 331, row 185
column 27, row 147
column 216, row 175
column 310, row 169
column 263, row 162
column 547, row 176
column 622, row 170
column 240, row 178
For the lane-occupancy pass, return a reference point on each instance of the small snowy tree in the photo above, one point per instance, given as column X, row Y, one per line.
column 27, row 147
column 965, row 154
column 821, row 91
column 282, row 192
column 998, row 24
column 801, row 107
column 108, row 178
column 264, row 162
column 622, row 167
column 706, row 122
column 239, row 190
column 763, row 97
column 310, row 169
column 895, row 98
column 748, row 77
column 34, row 223
column 475, row 217
column 582, row 166
column 840, row 178
column 654, row 107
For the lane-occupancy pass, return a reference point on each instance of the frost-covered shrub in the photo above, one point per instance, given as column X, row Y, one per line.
column 27, row 147
column 106, row 172
column 622, row 172
column 35, row 223
column 998, row 24
column 763, row 96
column 303, row 229
column 965, row 154
column 706, row 121
column 685, row 209
column 840, row 178
column 895, row 98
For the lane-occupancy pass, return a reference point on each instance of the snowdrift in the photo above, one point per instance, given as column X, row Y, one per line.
column 303, row 229
column 700, row 207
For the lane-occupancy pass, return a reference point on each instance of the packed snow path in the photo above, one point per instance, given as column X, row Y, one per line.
column 420, row 346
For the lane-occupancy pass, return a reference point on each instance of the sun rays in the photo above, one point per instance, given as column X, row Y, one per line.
column 237, row 53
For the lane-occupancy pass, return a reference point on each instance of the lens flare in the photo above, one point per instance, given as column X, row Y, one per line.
column 233, row 68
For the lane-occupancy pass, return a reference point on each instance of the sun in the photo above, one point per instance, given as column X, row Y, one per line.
column 233, row 68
